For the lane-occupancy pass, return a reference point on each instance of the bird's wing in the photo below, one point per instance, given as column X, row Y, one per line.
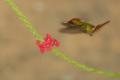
column 70, row 30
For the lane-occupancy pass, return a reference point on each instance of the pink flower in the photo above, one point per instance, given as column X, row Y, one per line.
column 48, row 44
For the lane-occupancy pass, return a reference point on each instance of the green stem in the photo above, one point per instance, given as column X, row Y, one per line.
column 56, row 51
column 24, row 19
column 84, row 67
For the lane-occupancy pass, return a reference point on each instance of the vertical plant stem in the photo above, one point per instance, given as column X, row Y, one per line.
column 24, row 19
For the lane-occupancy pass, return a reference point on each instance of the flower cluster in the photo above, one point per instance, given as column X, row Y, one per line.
column 48, row 44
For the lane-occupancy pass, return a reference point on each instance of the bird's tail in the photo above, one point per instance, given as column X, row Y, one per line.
column 97, row 27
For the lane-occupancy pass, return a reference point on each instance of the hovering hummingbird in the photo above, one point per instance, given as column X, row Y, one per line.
column 75, row 25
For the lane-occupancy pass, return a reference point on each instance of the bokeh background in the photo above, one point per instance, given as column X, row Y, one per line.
column 20, row 58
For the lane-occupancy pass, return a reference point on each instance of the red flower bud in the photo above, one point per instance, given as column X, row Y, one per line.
column 48, row 44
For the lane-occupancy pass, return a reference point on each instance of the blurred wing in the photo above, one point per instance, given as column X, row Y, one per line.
column 100, row 26
column 72, row 23
column 69, row 25
column 70, row 30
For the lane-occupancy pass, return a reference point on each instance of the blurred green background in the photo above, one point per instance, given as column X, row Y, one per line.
column 20, row 58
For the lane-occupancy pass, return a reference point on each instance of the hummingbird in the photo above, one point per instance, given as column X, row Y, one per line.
column 75, row 25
